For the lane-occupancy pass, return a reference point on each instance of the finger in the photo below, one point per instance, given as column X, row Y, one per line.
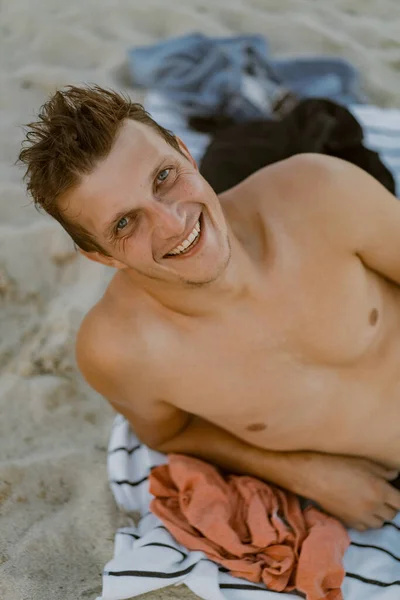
column 359, row 526
column 392, row 497
column 375, row 522
column 388, row 473
column 387, row 513
column 391, row 467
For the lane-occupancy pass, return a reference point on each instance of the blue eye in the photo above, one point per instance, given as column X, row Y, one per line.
column 160, row 176
column 122, row 223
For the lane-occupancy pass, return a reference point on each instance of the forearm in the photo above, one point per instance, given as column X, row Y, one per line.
column 201, row 439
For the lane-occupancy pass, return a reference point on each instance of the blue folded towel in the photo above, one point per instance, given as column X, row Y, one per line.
column 207, row 75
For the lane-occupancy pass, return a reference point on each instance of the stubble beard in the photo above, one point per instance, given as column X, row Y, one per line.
column 188, row 282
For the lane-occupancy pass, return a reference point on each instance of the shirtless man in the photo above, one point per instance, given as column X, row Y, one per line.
column 258, row 330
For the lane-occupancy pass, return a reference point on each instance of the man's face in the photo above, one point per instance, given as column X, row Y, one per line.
column 152, row 211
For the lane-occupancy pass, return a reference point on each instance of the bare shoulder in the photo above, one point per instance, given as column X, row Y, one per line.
column 317, row 179
column 298, row 175
column 319, row 193
column 116, row 360
column 99, row 349
column 113, row 345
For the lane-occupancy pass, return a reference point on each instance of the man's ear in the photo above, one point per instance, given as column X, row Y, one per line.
column 102, row 259
column 186, row 152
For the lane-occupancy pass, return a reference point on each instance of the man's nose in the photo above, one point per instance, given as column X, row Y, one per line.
column 168, row 219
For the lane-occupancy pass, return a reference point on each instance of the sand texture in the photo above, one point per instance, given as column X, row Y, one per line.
column 57, row 515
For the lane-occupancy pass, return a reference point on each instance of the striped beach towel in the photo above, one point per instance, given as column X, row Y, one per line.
column 147, row 557
column 381, row 129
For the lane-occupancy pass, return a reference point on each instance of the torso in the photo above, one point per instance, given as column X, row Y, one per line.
column 311, row 364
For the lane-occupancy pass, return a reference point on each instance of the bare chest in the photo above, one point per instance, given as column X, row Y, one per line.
column 277, row 373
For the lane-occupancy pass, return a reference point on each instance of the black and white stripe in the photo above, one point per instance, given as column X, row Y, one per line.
column 382, row 134
column 147, row 557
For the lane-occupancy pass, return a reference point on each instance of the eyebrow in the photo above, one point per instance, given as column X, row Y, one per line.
column 109, row 228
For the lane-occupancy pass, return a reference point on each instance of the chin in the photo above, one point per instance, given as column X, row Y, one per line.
column 208, row 276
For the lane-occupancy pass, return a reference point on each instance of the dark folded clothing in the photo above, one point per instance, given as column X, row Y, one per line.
column 314, row 125
column 396, row 483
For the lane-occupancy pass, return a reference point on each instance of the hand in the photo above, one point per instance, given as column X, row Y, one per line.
column 355, row 490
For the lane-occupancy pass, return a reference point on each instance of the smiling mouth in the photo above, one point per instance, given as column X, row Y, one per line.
column 190, row 242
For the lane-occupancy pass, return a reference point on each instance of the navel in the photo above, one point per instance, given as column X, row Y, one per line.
column 256, row 427
column 373, row 317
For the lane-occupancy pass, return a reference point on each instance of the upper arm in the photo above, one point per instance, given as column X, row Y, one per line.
column 128, row 383
column 374, row 221
column 350, row 207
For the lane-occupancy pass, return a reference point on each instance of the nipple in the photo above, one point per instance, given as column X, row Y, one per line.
column 256, row 427
column 373, row 317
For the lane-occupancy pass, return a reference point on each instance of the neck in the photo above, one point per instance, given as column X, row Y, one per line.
column 237, row 283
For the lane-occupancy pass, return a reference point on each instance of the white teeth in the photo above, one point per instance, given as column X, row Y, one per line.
column 188, row 242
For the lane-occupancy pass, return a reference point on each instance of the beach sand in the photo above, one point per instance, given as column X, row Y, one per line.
column 57, row 514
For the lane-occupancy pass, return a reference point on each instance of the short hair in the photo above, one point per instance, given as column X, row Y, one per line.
column 76, row 128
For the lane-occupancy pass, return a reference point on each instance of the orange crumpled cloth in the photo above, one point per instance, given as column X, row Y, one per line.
column 256, row 530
